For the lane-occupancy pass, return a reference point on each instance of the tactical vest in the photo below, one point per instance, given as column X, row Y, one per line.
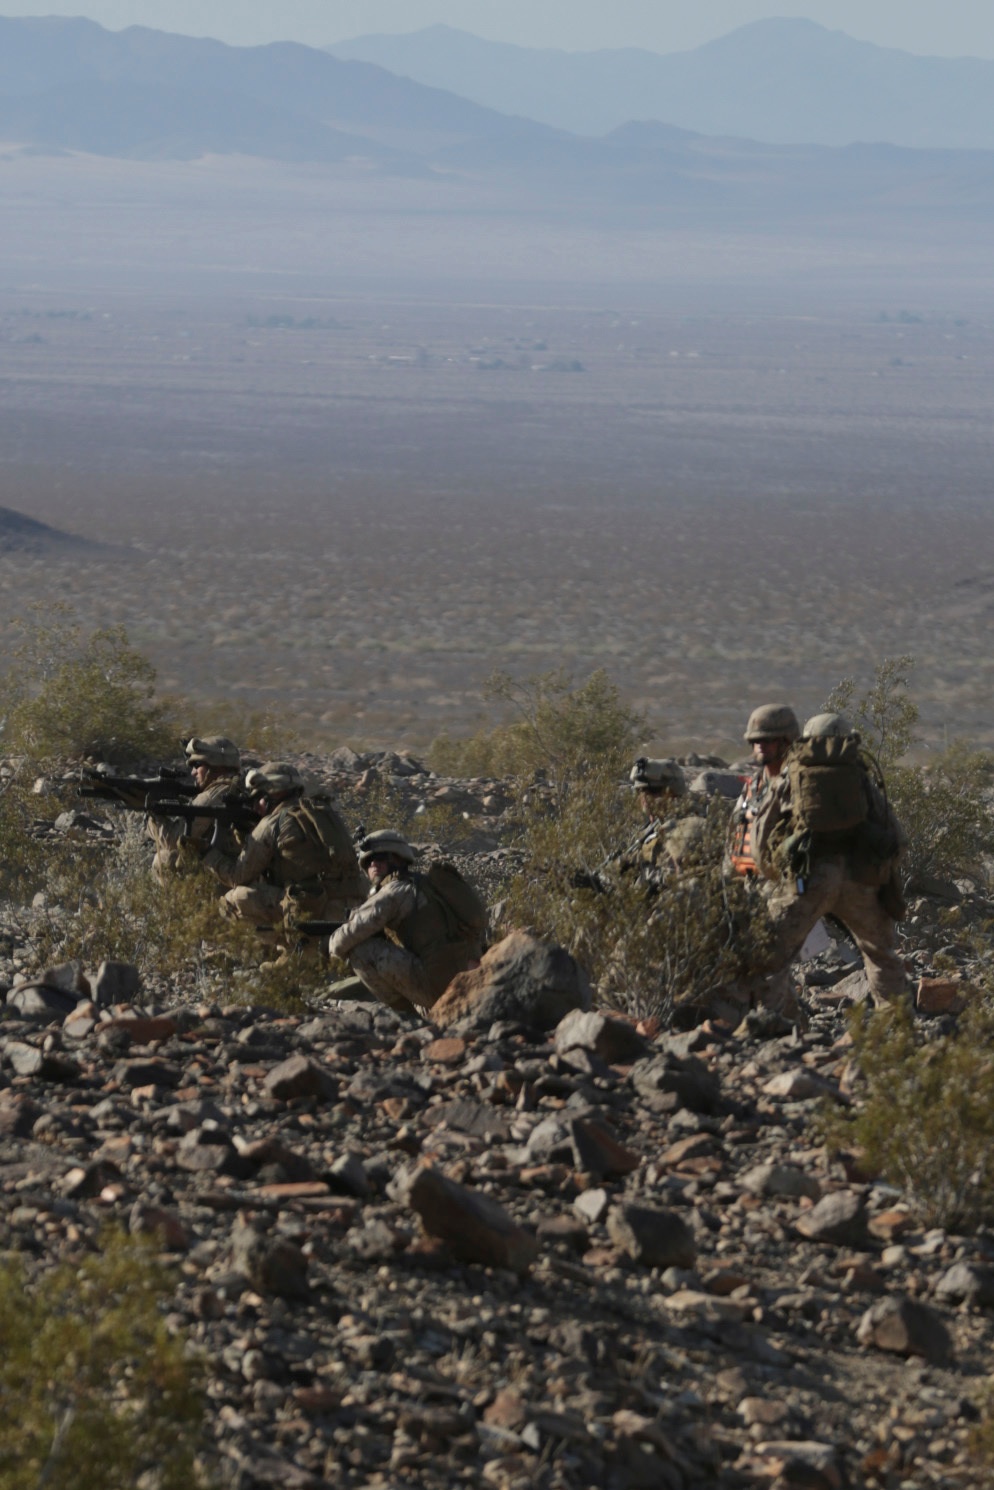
column 437, row 931
column 741, row 853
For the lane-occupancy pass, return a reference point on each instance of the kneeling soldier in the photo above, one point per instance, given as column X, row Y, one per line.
column 214, row 764
column 299, row 862
column 415, row 931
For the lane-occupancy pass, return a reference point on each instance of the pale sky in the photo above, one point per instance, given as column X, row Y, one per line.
column 946, row 28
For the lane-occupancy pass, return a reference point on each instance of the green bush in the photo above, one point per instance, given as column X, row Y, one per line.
column 70, row 696
column 925, row 1114
column 95, row 1391
column 559, row 729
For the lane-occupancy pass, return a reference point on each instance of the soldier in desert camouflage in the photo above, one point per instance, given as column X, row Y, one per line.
column 829, row 844
column 214, row 763
column 414, row 933
column 298, row 863
column 669, row 840
column 771, row 730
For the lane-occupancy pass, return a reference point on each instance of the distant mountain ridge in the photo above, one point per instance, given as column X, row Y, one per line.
column 74, row 84
column 781, row 81
column 69, row 85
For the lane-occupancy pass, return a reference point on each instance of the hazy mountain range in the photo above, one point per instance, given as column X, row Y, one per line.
column 784, row 81
column 71, row 85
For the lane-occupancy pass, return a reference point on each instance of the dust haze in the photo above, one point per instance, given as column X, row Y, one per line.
column 353, row 444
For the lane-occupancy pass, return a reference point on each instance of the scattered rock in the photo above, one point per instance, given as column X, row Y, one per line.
column 905, row 1327
column 473, row 1225
column 839, row 1218
column 300, row 1077
column 655, row 1239
column 521, row 980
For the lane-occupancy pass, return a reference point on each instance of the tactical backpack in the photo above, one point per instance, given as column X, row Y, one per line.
column 462, row 906
column 829, row 784
column 838, row 804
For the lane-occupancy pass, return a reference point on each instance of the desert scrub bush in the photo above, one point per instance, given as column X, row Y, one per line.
column 106, row 904
column 924, row 1116
column 22, row 854
column 70, row 695
column 95, row 1391
column 658, row 952
column 570, row 748
column 557, row 729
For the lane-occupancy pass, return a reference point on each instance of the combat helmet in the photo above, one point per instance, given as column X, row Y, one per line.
column 212, row 750
column 657, row 776
column 772, row 722
column 827, row 726
column 274, row 776
column 385, row 841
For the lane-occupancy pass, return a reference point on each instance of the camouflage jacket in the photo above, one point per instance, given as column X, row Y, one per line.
column 170, row 833
column 284, row 850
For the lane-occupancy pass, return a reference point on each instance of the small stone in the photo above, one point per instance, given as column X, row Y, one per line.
column 300, row 1077
column 271, row 1264
column 597, row 1151
column 781, row 1180
column 655, row 1239
column 592, row 1205
column 522, row 979
column 154, row 1220
column 967, row 1282
column 613, row 1040
column 905, row 1327
column 799, row 1086
column 116, row 983
column 838, row 1218
column 475, row 1226
column 943, row 995
column 448, row 1052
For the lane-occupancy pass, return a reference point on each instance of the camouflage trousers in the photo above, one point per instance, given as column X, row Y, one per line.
column 829, row 891
column 263, row 904
column 394, row 975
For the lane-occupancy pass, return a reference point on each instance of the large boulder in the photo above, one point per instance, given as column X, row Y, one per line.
column 521, row 980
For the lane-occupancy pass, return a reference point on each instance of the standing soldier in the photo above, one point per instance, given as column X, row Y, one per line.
column 214, row 763
column 828, row 840
column 298, row 862
column 771, row 730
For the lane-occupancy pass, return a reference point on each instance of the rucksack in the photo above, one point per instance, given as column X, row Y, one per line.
column 462, row 905
column 829, row 779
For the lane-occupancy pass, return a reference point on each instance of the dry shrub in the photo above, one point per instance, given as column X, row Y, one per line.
column 96, row 1393
column 72, row 695
column 107, row 905
column 925, row 1115
column 555, row 729
column 661, row 952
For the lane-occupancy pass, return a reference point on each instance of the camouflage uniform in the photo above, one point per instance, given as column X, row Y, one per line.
column 298, row 861
column 400, row 943
column 178, row 843
column 776, row 991
column 862, row 895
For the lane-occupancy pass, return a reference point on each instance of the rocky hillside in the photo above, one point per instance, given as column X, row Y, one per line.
column 561, row 1251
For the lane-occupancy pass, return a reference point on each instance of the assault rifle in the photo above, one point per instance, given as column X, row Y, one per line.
column 135, row 791
column 237, row 812
column 592, row 879
column 316, row 928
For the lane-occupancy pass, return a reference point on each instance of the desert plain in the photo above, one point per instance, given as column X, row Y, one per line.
column 342, row 450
